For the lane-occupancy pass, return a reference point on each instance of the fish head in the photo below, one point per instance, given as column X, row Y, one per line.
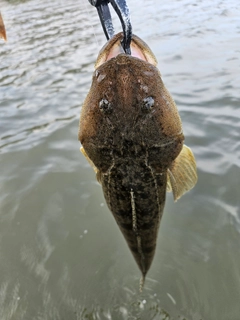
column 128, row 104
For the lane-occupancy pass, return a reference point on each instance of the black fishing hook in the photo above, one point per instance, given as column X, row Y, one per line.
column 121, row 8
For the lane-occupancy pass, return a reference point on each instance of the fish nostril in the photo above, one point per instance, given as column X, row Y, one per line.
column 105, row 106
column 148, row 104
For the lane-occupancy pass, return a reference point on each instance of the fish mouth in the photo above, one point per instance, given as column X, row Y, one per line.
column 139, row 49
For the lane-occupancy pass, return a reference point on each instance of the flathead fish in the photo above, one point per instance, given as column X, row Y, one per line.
column 131, row 133
column 3, row 34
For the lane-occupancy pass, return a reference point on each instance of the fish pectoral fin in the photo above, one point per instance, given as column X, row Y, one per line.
column 3, row 34
column 182, row 175
column 169, row 187
column 98, row 175
column 88, row 159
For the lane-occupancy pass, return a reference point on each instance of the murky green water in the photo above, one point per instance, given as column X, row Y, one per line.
column 62, row 256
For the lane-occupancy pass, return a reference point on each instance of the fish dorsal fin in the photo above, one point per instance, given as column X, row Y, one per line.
column 182, row 174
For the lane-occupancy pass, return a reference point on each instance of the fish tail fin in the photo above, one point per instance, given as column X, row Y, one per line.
column 141, row 283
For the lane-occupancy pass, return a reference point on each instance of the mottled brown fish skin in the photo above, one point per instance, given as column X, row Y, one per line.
column 131, row 181
column 131, row 131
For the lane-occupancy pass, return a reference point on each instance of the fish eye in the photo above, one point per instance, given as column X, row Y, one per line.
column 148, row 104
column 105, row 106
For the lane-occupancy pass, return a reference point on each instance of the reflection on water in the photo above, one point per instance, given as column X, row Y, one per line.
column 61, row 254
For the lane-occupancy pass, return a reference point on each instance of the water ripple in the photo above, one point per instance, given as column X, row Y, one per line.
column 50, row 267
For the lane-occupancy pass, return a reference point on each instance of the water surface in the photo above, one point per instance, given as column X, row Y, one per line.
column 61, row 253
